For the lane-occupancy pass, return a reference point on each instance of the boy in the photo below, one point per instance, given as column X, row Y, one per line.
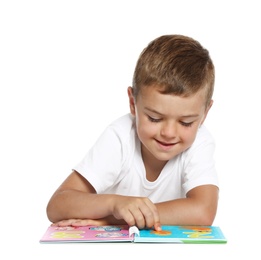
column 155, row 165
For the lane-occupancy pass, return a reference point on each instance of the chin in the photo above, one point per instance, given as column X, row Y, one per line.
column 164, row 158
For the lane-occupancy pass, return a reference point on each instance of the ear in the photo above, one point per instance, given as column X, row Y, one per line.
column 131, row 101
column 206, row 112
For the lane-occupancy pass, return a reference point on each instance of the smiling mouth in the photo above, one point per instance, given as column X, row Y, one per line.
column 165, row 144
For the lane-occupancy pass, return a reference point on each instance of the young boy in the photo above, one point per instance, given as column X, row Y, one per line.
column 155, row 165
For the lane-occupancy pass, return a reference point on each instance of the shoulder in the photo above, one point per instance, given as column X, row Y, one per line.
column 124, row 122
column 120, row 135
column 203, row 137
column 123, row 127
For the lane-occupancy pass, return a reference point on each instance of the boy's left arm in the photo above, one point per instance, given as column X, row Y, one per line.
column 198, row 208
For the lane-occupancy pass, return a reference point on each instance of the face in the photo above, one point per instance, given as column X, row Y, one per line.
column 166, row 124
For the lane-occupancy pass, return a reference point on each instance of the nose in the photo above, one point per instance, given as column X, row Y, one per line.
column 168, row 130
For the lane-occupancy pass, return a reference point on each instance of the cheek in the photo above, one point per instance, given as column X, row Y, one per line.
column 145, row 129
column 188, row 136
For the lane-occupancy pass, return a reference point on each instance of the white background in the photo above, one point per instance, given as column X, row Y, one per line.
column 64, row 70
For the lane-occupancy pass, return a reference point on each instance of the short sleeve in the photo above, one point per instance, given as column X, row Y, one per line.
column 103, row 162
column 107, row 161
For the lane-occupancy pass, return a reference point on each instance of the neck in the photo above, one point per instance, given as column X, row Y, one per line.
column 153, row 166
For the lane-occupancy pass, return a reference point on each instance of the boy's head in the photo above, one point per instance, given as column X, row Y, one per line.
column 175, row 64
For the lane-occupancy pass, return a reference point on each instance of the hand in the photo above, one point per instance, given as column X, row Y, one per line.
column 139, row 211
column 81, row 222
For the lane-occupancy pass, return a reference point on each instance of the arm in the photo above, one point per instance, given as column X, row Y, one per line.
column 76, row 202
column 198, row 208
column 77, row 199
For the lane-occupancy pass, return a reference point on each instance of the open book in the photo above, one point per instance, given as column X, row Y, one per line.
column 124, row 233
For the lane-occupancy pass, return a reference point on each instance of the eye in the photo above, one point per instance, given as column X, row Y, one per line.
column 154, row 120
column 186, row 124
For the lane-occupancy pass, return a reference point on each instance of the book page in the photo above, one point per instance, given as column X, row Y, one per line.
column 87, row 234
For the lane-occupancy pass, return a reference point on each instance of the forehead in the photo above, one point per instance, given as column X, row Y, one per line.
column 151, row 98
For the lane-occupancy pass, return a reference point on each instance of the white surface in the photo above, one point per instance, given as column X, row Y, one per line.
column 64, row 71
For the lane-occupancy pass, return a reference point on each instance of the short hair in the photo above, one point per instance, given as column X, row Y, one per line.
column 175, row 64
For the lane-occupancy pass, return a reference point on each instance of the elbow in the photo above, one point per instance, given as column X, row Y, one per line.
column 51, row 212
column 204, row 203
column 206, row 220
column 57, row 209
column 206, row 216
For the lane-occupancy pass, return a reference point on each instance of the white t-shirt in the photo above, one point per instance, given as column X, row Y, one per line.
column 114, row 165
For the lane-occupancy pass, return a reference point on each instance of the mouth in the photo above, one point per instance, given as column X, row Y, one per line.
column 164, row 145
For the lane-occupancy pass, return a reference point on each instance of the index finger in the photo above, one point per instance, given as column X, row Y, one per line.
column 157, row 226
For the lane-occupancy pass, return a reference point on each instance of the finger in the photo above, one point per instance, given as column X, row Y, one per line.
column 64, row 223
column 139, row 218
column 142, row 214
column 81, row 222
column 151, row 215
column 128, row 217
column 88, row 222
column 157, row 226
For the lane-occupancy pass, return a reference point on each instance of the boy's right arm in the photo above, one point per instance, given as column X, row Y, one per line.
column 77, row 199
column 69, row 200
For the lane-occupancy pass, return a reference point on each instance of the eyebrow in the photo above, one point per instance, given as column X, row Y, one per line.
column 153, row 111
column 156, row 112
